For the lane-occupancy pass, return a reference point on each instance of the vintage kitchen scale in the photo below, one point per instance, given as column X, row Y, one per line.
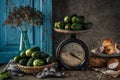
column 72, row 53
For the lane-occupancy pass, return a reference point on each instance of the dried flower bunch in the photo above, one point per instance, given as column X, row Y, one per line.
column 24, row 16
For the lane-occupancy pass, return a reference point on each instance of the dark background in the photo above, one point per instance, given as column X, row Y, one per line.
column 105, row 15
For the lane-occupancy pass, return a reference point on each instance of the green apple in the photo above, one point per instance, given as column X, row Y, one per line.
column 67, row 19
column 67, row 26
column 76, row 26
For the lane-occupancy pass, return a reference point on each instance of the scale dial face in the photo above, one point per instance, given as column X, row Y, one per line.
column 72, row 54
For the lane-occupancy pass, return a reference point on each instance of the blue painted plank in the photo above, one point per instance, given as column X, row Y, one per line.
column 6, row 56
column 9, row 38
column 2, row 16
column 46, row 29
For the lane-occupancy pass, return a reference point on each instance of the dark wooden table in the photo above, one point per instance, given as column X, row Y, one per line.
column 71, row 75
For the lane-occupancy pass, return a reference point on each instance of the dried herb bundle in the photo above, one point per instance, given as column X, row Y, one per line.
column 24, row 16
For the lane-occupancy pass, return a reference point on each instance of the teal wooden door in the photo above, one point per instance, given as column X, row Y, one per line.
column 39, row 36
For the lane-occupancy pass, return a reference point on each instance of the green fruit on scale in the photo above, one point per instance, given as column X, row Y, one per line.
column 60, row 25
column 76, row 26
column 67, row 26
column 55, row 24
column 88, row 25
column 30, row 62
column 67, row 19
column 73, row 22
column 31, row 50
column 38, row 62
column 75, row 19
column 16, row 59
column 82, row 18
column 36, row 54
column 23, row 54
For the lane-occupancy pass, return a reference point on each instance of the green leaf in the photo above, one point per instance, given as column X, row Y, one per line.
column 4, row 75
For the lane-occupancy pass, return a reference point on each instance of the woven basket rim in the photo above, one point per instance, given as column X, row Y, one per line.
column 35, row 66
column 33, row 69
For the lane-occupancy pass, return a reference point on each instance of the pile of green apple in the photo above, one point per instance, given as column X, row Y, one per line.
column 33, row 57
column 73, row 22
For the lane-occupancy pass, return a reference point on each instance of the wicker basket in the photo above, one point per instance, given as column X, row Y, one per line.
column 31, row 69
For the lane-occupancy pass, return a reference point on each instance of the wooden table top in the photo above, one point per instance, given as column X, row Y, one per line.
column 71, row 75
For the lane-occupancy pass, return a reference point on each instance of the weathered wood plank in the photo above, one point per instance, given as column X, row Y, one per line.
column 46, row 29
column 6, row 56
column 9, row 38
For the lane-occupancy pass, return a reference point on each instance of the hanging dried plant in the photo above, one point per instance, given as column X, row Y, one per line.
column 24, row 16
